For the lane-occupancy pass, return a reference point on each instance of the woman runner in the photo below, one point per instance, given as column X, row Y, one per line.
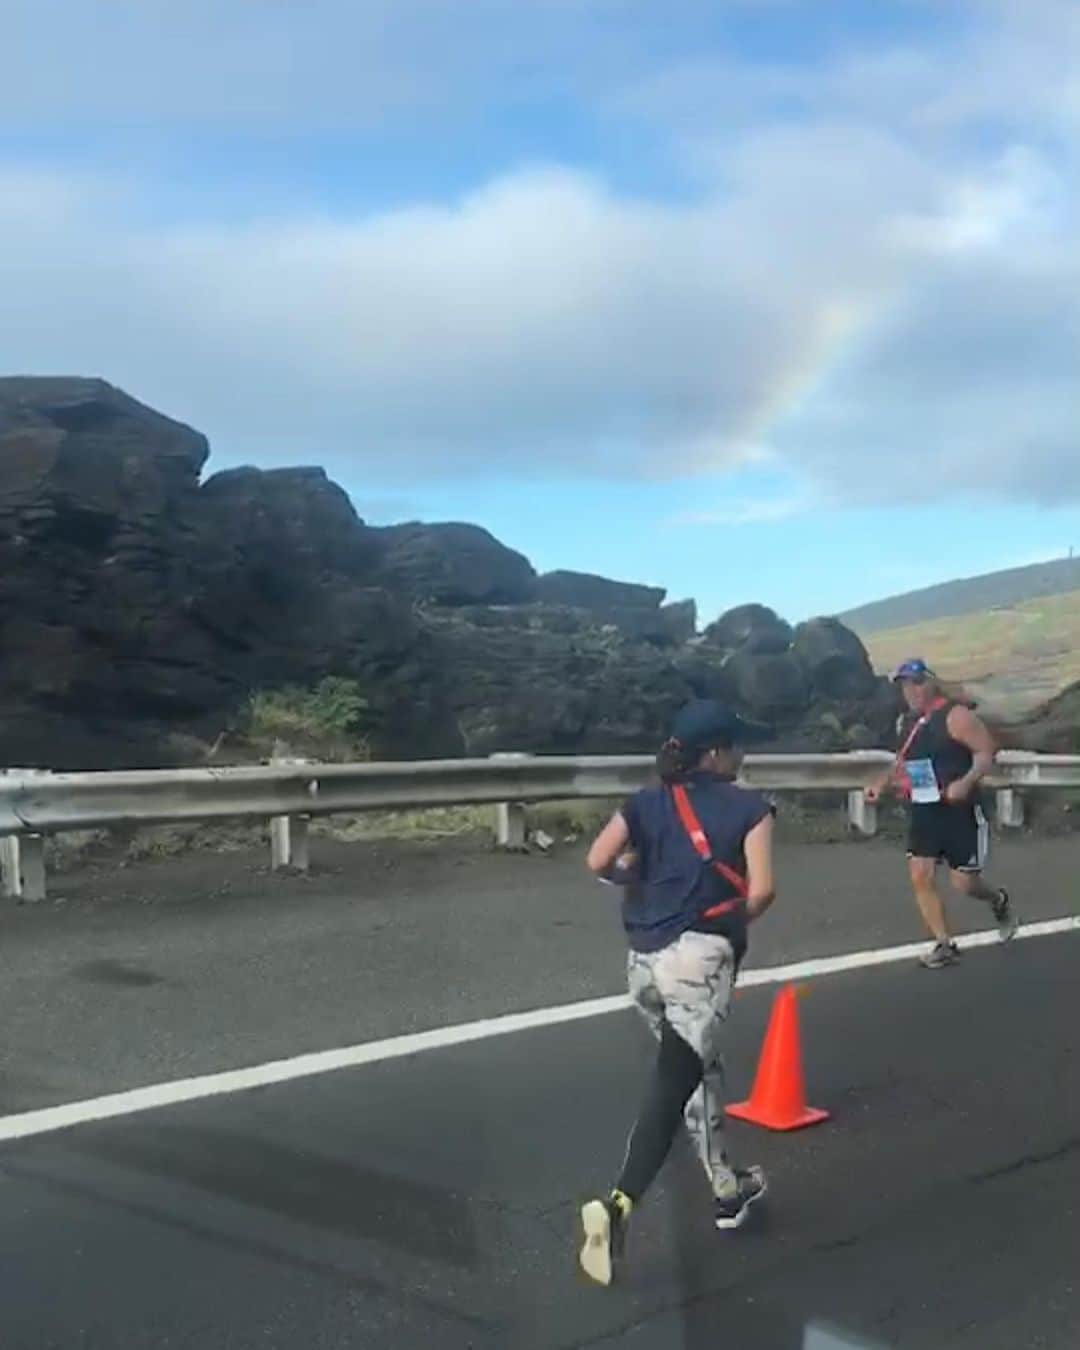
column 695, row 857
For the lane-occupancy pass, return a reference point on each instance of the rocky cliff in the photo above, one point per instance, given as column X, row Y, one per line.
column 1052, row 729
column 141, row 604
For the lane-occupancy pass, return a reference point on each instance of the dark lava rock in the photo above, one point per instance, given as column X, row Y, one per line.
column 753, row 628
column 140, row 608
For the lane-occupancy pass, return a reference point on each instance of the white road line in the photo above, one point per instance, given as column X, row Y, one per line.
column 151, row 1098
column 884, row 956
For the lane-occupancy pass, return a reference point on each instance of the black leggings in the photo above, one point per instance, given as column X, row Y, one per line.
column 677, row 1074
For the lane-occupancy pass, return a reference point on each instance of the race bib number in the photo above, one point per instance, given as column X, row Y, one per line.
column 923, row 781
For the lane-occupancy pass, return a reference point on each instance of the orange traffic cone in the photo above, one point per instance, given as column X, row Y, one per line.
column 778, row 1098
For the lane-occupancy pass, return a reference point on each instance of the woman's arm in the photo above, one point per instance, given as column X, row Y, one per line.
column 608, row 844
column 761, row 888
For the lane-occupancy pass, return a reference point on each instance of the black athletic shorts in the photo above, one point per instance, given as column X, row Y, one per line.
column 958, row 836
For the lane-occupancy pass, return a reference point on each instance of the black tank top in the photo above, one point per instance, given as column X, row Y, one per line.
column 951, row 758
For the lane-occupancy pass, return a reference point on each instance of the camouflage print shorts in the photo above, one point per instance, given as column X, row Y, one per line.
column 688, row 985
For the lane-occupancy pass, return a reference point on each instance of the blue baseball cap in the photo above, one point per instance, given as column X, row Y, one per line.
column 706, row 724
column 914, row 668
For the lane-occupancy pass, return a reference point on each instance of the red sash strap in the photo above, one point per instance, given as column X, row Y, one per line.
column 901, row 754
column 700, row 841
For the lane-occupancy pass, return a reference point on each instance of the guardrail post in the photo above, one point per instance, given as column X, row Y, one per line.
column 511, row 818
column 862, row 814
column 10, row 870
column 1010, row 808
column 289, row 844
column 289, row 835
column 10, row 864
column 22, row 862
column 22, row 856
column 32, row 867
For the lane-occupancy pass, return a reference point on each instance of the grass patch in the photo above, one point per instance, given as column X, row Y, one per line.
column 817, row 818
column 153, row 843
column 563, row 821
column 443, row 822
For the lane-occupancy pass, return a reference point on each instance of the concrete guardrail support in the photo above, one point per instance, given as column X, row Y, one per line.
column 22, row 866
column 862, row 814
column 289, row 844
column 511, row 818
column 22, row 857
column 290, row 847
column 1010, row 808
column 511, row 826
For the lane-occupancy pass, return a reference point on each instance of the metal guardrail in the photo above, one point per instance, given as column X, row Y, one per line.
column 56, row 802
column 35, row 803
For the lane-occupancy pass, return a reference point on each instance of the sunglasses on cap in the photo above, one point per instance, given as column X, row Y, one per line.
column 916, row 670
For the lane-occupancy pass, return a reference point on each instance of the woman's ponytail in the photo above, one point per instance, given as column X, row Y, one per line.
column 674, row 761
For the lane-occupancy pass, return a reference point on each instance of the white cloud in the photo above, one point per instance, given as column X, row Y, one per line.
column 539, row 323
column 889, row 301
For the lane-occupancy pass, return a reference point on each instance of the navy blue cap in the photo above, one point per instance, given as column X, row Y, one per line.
column 706, row 724
column 914, row 668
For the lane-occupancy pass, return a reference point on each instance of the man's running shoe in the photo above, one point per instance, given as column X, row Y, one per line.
column 1004, row 915
column 605, row 1223
column 730, row 1211
column 940, row 954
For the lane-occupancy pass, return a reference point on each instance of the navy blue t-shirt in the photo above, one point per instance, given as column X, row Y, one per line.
column 674, row 885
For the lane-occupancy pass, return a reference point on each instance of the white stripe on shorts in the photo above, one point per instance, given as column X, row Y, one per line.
column 982, row 843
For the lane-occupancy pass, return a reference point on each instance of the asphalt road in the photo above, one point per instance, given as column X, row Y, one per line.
column 430, row 1201
column 167, row 970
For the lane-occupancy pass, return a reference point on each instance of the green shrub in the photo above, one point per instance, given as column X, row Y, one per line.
column 334, row 713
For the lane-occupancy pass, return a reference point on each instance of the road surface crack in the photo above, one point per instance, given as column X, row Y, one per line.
column 1021, row 1164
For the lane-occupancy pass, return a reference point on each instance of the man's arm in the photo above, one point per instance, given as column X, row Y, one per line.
column 877, row 789
column 964, row 726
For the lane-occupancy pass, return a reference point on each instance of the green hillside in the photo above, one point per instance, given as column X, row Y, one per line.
column 970, row 595
column 1012, row 659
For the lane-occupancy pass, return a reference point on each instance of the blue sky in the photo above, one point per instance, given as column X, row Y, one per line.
column 753, row 299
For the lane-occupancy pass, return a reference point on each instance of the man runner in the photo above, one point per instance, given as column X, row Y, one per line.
column 945, row 752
